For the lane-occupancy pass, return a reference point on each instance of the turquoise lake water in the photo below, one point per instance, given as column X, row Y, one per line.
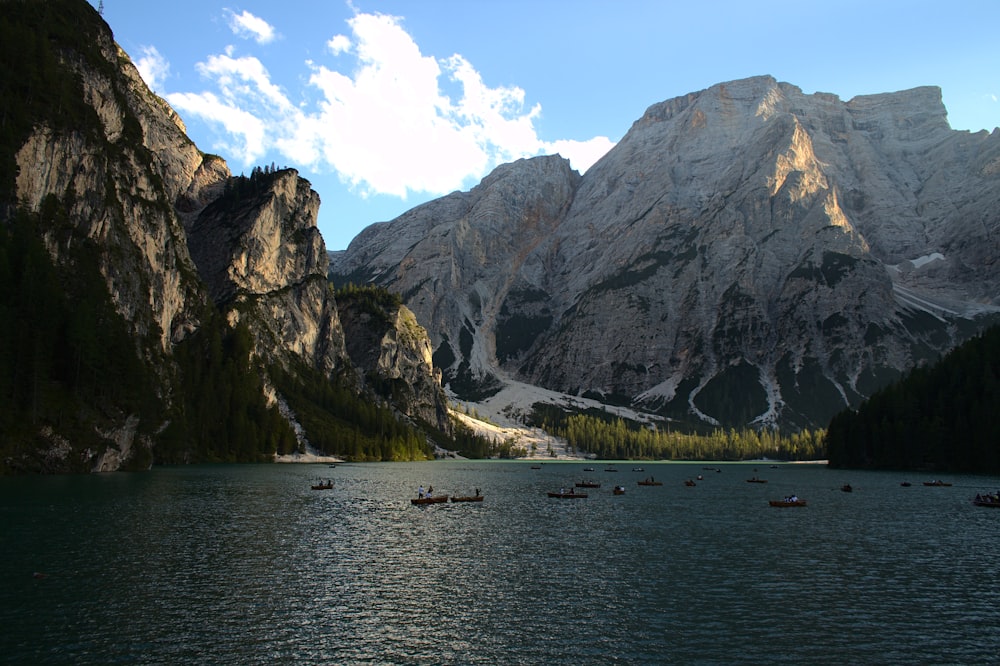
column 246, row 564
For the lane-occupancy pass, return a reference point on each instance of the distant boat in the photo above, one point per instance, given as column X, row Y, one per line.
column 756, row 480
column 610, row 469
column 906, row 484
column 536, row 467
column 787, row 502
column 847, row 488
column 650, row 482
column 323, row 485
column 638, row 469
column 468, row 498
column 936, row 482
column 588, row 469
column 619, row 490
column 587, row 484
column 569, row 495
column 689, row 483
column 435, row 499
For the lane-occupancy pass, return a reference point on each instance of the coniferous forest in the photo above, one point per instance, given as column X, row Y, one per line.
column 943, row 417
column 617, row 438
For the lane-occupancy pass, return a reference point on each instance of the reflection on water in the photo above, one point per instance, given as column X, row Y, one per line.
column 247, row 564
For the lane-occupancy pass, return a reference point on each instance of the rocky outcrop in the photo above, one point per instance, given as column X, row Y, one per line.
column 746, row 254
column 393, row 352
column 262, row 257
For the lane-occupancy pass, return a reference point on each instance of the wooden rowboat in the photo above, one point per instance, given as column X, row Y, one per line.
column 649, row 482
column 587, row 484
column 468, row 498
column 569, row 495
column 436, row 499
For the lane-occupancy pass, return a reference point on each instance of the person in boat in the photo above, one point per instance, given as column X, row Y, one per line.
column 420, row 492
column 477, row 492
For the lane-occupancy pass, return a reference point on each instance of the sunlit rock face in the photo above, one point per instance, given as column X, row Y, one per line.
column 745, row 254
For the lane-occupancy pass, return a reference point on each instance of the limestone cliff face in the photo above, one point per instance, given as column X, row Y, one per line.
column 174, row 234
column 393, row 352
column 263, row 258
column 745, row 254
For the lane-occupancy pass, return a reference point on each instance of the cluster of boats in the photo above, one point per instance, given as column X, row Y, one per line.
column 442, row 499
column 981, row 499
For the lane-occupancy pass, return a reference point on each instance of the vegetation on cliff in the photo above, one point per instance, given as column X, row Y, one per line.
column 942, row 417
column 67, row 359
column 37, row 87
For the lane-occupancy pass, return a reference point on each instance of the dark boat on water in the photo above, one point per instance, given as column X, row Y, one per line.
column 649, row 482
column 847, row 488
column 569, row 495
column 587, row 484
column 987, row 500
column 937, row 482
column 619, row 490
column 788, row 501
column 323, row 485
column 436, row 499
column 468, row 498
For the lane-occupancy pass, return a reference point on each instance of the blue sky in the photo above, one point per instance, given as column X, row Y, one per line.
column 386, row 104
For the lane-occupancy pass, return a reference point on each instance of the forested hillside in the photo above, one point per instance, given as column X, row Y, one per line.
column 944, row 417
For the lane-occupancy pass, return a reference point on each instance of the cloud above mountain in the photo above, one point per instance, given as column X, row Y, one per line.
column 376, row 111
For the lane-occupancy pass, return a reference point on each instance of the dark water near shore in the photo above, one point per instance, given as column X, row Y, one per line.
column 247, row 564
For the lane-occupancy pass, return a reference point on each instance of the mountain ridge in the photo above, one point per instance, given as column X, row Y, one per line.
column 746, row 254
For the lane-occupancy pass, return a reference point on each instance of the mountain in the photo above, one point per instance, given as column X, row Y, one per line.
column 746, row 254
column 158, row 308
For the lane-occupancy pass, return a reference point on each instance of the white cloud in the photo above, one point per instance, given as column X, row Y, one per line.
column 385, row 128
column 339, row 44
column 153, row 67
column 253, row 27
column 581, row 154
column 245, row 132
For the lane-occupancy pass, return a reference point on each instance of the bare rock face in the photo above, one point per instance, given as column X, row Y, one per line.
column 262, row 257
column 393, row 352
column 746, row 254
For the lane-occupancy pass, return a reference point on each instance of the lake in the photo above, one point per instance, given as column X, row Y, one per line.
column 247, row 564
